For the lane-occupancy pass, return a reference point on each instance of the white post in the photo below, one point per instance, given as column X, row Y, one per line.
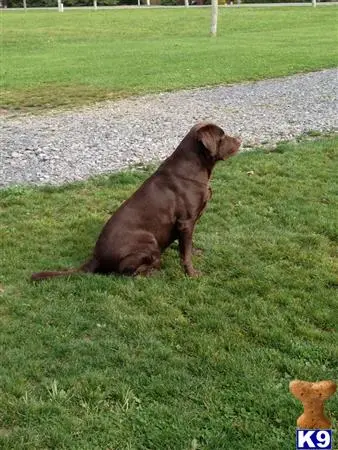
column 138, row 2
column 95, row 4
column 61, row 4
column 148, row 2
column 314, row 3
column 24, row 5
column 186, row 3
column 214, row 12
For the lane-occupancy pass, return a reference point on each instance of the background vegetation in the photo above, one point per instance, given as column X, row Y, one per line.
column 53, row 3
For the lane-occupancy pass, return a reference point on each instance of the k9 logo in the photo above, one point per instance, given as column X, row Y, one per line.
column 313, row 439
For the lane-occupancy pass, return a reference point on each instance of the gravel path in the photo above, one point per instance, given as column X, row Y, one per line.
column 66, row 146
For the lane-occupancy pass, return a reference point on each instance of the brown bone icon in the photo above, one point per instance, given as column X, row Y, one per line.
column 313, row 396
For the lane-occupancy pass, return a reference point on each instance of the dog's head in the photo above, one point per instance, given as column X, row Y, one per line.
column 218, row 145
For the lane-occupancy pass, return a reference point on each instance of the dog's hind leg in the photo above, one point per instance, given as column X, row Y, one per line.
column 140, row 263
column 143, row 259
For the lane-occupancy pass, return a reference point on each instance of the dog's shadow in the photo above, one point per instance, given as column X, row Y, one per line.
column 76, row 241
column 73, row 243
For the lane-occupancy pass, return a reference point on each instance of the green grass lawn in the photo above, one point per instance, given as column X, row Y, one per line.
column 51, row 59
column 168, row 362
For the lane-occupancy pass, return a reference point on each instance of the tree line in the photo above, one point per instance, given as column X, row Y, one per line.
column 53, row 3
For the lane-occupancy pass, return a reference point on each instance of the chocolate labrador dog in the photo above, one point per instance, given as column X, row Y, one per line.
column 165, row 208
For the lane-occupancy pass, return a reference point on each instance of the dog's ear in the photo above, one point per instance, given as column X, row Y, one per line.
column 210, row 136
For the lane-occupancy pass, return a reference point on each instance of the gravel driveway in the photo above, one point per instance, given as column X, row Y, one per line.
column 66, row 146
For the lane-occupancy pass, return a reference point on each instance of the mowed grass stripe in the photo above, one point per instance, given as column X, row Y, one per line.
column 52, row 59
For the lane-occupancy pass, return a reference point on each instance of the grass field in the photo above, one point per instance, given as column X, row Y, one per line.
column 51, row 59
column 94, row 362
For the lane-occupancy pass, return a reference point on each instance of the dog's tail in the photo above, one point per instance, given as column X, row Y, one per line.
column 89, row 267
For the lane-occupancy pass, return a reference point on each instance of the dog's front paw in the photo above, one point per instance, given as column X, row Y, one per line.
column 193, row 273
